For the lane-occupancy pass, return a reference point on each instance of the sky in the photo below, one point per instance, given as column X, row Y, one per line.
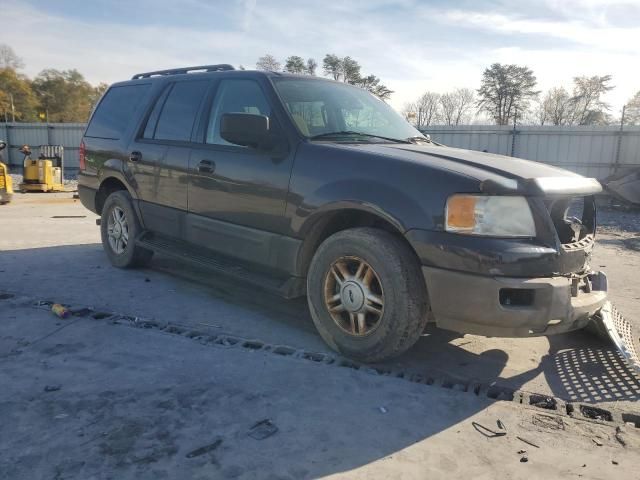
column 412, row 45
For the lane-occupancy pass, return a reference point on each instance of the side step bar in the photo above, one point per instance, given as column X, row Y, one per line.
column 284, row 286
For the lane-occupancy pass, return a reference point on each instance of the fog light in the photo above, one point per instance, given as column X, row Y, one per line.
column 516, row 297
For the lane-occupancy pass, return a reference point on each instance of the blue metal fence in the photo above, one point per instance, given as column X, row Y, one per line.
column 68, row 135
column 592, row 151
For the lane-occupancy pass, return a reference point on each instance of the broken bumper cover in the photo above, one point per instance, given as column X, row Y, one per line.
column 510, row 306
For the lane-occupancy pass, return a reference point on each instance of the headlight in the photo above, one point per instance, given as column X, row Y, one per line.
column 496, row 216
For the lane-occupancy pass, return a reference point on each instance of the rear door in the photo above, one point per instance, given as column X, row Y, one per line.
column 159, row 157
column 110, row 128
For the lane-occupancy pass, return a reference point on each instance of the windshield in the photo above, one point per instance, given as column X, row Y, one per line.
column 320, row 107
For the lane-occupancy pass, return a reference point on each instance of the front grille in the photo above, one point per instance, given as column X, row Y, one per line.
column 574, row 219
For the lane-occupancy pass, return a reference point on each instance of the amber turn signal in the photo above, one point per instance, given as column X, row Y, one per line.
column 461, row 212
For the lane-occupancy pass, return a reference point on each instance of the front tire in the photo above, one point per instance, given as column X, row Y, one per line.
column 119, row 227
column 367, row 295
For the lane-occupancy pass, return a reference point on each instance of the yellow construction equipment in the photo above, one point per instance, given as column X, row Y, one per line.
column 6, row 182
column 45, row 174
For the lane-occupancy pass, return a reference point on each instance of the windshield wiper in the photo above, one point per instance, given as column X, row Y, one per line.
column 351, row 132
column 426, row 139
column 418, row 139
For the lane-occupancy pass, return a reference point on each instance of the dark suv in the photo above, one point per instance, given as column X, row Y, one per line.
column 303, row 185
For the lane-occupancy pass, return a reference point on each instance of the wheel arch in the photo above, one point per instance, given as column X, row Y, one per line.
column 343, row 216
column 108, row 185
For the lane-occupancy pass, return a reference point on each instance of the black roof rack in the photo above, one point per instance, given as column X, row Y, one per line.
column 177, row 71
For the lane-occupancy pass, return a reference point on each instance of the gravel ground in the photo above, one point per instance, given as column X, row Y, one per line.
column 619, row 220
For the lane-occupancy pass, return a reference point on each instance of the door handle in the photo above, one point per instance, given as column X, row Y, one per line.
column 135, row 156
column 206, row 166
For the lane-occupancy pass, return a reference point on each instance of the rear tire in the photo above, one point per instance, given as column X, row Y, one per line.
column 367, row 295
column 119, row 227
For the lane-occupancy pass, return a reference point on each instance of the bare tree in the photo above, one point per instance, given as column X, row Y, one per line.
column 268, row 62
column 588, row 107
column 560, row 106
column 455, row 106
column 424, row 111
column 632, row 112
column 409, row 112
column 506, row 90
column 311, row 66
column 9, row 59
column 556, row 107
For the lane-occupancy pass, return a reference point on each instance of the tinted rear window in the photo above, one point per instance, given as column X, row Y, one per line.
column 180, row 110
column 116, row 110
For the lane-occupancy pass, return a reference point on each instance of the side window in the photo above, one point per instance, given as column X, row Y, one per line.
column 116, row 110
column 235, row 96
column 179, row 111
column 150, row 129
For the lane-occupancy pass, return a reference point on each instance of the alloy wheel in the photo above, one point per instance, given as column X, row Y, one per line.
column 118, row 230
column 353, row 296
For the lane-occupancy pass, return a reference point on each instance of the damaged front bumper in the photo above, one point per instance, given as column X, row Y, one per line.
column 511, row 306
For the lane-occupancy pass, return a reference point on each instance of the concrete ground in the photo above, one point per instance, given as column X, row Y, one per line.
column 135, row 402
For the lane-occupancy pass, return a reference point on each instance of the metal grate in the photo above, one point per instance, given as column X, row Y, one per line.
column 624, row 335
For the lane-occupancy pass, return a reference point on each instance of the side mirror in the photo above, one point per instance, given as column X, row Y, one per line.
column 246, row 129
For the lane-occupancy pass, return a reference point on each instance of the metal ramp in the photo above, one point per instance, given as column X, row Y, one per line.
column 624, row 335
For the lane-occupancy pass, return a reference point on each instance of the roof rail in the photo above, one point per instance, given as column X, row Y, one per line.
column 177, row 71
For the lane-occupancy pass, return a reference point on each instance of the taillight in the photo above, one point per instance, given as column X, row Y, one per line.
column 82, row 156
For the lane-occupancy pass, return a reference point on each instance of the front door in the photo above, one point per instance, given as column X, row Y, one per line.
column 237, row 194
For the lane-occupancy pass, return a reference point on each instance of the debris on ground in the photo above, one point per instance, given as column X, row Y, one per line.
column 52, row 388
column 528, row 442
column 543, row 401
column 548, row 422
column 205, row 449
column 524, row 459
column 619, row 436
column 501, row 425
column 597, row 442
column 60, row 310
column 262, row 429
column 487, row 432
column 520, row 452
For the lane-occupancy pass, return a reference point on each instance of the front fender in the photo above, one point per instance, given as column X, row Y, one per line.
column 380, row 199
